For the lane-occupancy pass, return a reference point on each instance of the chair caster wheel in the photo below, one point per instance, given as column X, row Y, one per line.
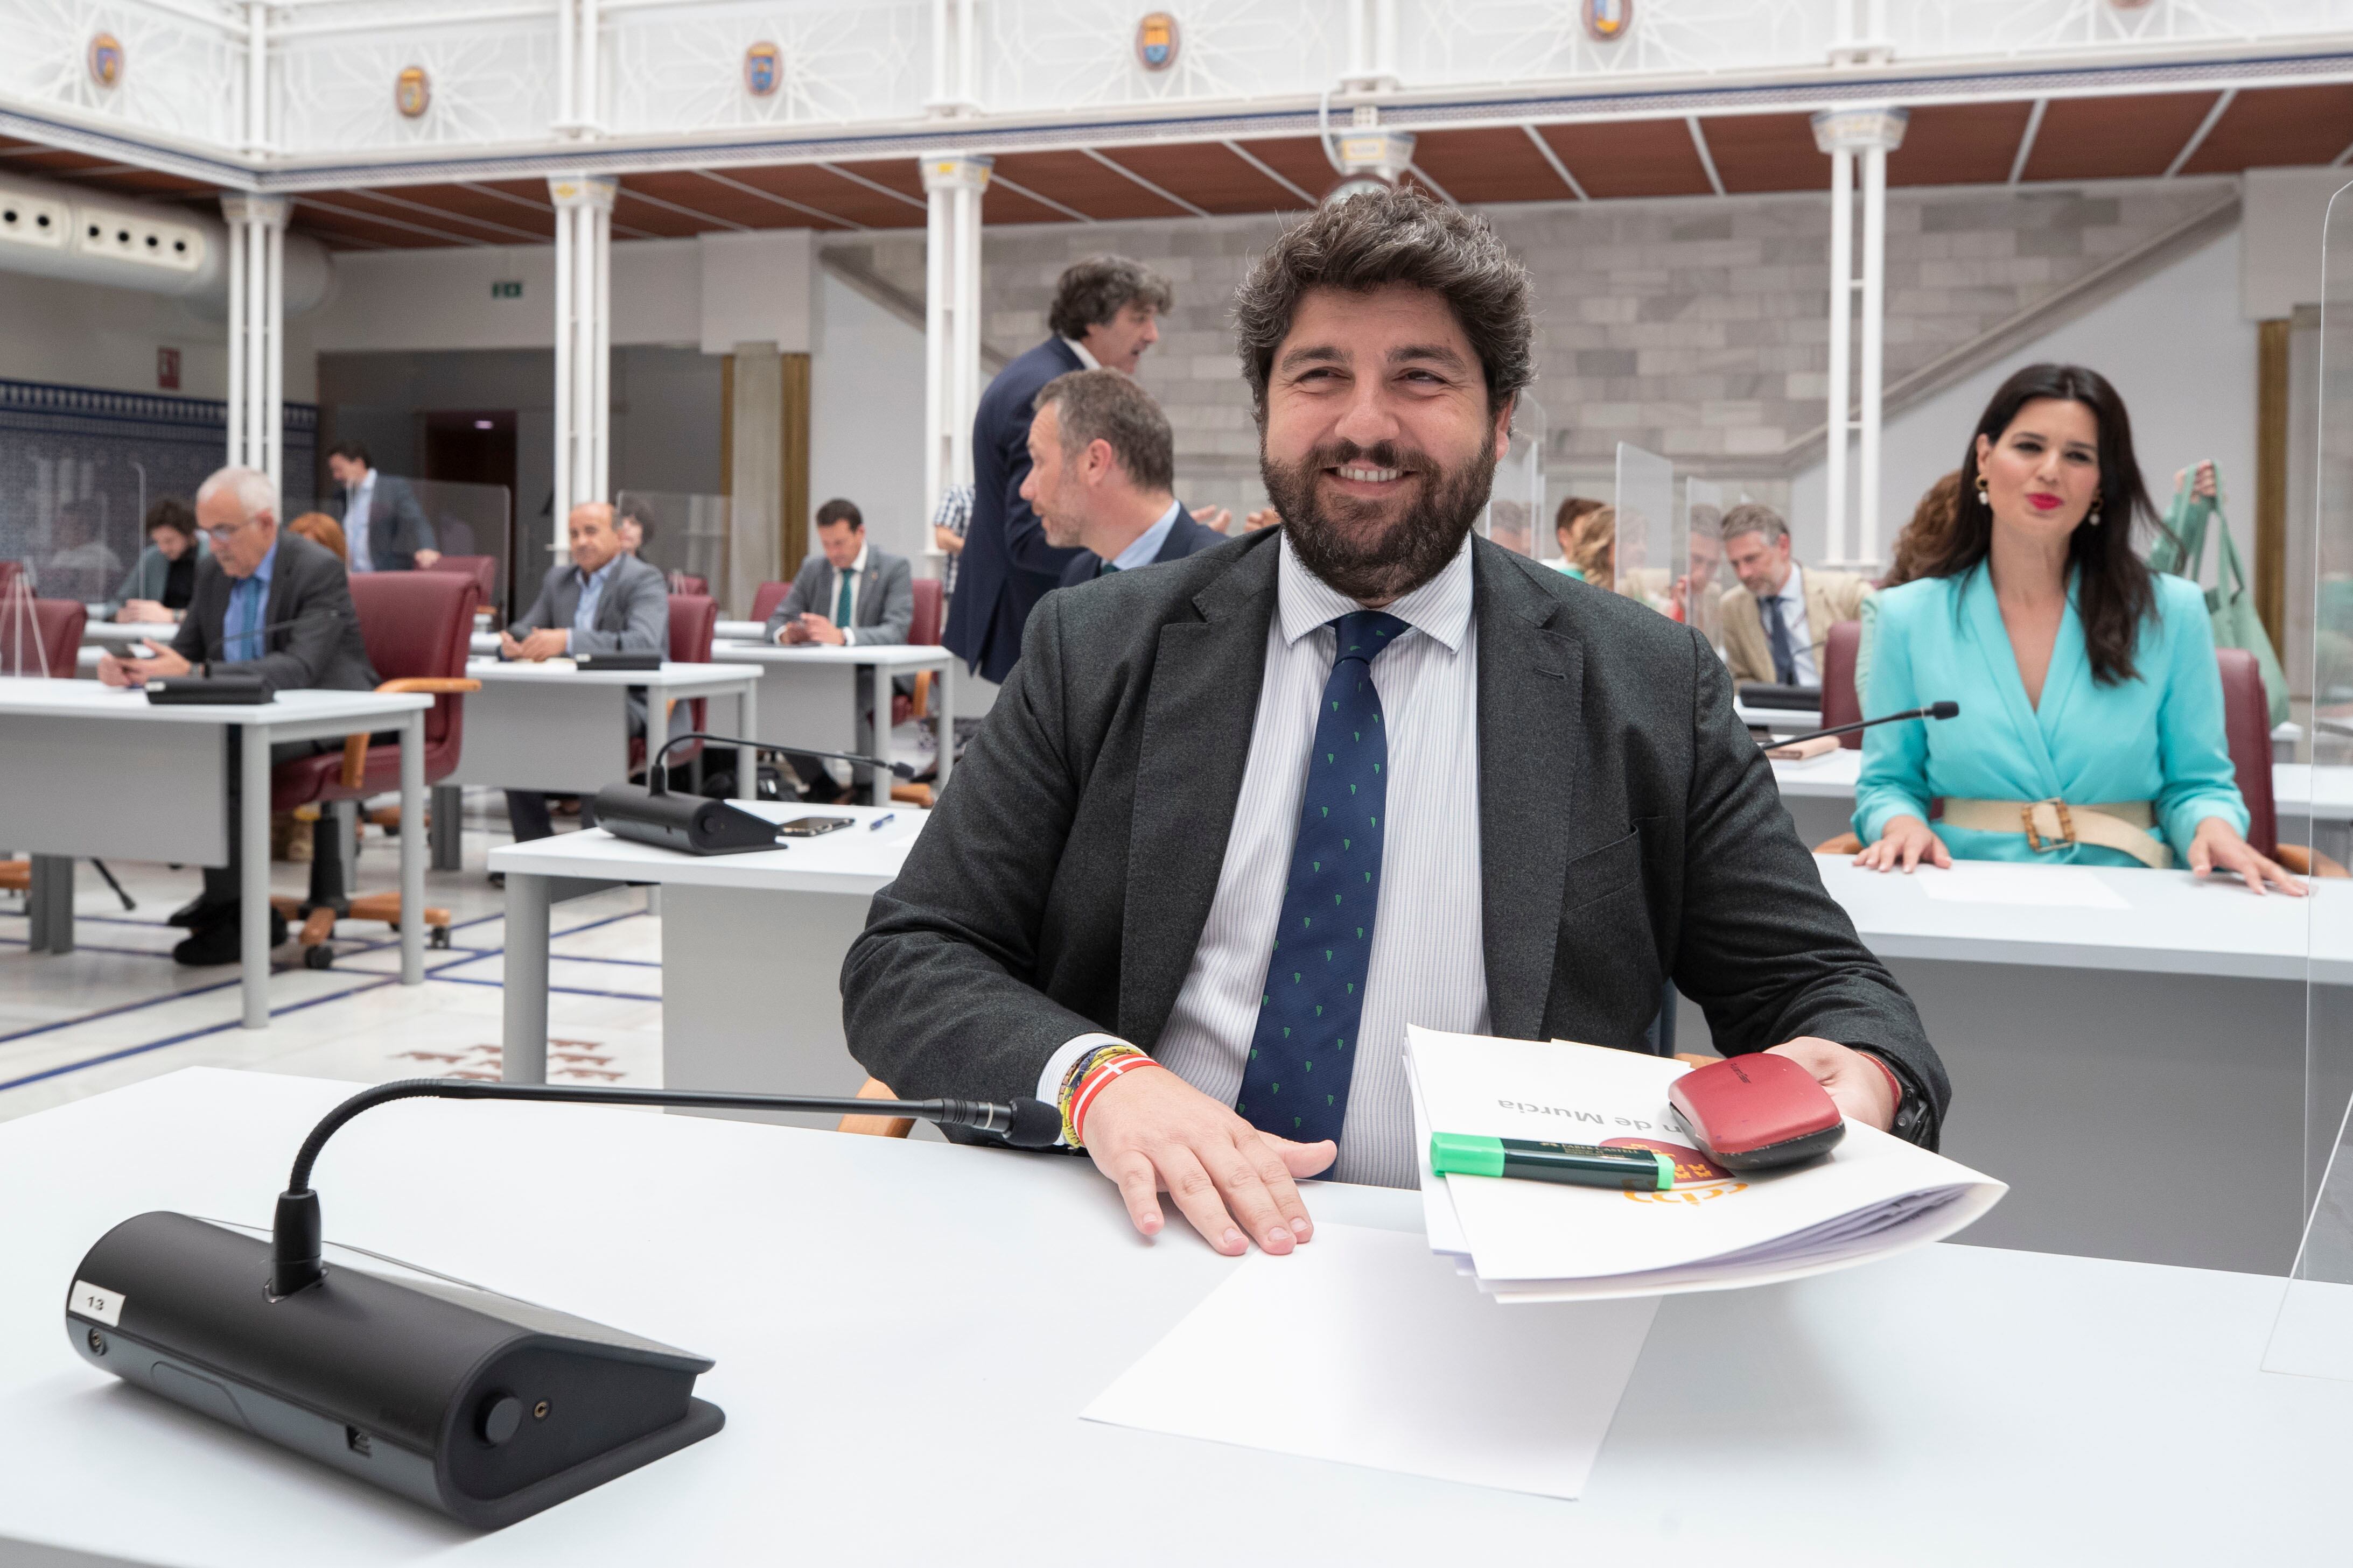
column 438, row 936
column 319, row 957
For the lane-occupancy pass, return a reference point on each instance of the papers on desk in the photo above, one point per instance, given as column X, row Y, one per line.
column 1535, row 1241
column 2034, row 886
column 1361, row 1347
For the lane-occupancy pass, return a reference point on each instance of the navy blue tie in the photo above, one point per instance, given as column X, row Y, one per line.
column 1296, row 1084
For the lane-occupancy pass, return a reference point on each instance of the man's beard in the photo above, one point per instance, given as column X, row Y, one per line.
column 1346, row 547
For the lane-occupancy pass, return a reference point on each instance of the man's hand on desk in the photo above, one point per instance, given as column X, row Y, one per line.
column 817, row 628
column 114, row 671
column 1858, row 1086
column 1153, row 1133
column 546, row 642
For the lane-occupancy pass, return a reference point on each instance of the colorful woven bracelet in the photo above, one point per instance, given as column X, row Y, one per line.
column 1068, row 1093
column 1094, row 1085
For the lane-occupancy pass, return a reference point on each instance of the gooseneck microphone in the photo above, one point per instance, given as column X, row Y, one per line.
column 1933, row 711
column 478, row 1406
column 649, row 814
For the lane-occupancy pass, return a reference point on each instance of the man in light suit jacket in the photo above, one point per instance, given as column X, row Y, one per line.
column 1775, row 622
column 602, row 602
column 848, row 592
column 1104, row 314
column 1103, row 472
column 1236, row 820
column 383, row 525
column 267, row 603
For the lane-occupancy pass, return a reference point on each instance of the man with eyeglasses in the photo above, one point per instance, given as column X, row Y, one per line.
column 266, row 602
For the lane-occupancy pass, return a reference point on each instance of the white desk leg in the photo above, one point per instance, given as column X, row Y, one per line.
column 412, row 851
column 747, row 724
column 878, row 680
column 253, row 872
column 523, row 1055
column 946, row 729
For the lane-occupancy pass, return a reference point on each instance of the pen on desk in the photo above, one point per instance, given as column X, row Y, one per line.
column 1575, row 1164
column 876, row 825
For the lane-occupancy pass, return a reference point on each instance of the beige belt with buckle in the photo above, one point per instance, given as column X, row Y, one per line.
column 2124, row 825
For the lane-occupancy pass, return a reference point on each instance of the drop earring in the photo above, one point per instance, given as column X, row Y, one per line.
column 1983, row 498
column 2091, row 518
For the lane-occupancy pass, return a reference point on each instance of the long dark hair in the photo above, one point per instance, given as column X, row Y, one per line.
column 2113, row 592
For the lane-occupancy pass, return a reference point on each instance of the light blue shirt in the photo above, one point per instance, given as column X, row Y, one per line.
column 360, row 501
column 2158, row 737
column 1146, row 547
column 592, row 594
column 248, row 606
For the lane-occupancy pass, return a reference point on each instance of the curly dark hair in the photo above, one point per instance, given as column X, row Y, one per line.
column 1396, row 235
column 2112, row 586
column 1093, row 291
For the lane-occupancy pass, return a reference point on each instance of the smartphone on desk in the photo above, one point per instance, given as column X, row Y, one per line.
column 810, row 827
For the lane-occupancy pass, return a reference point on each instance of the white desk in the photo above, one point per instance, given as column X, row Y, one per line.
column 115, row 634
column 553, row 727
column 818, row 696
column 78, row 765
column 752, row 945
column 1956, row 1405
column 740, row 631
column 1780, row 721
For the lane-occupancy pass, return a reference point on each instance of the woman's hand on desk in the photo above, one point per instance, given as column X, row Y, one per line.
column 1902, row 844
column 2219, row 848
column 1858, row 1086
column 1153, row 1133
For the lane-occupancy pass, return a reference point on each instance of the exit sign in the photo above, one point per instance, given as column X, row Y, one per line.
column 513, row 290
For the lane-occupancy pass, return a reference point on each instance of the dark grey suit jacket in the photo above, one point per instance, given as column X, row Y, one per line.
column 397, row 526
column 1186, row 537
column 322, row 649
column 886, row 597
column 633, row 616
column 1070, row 865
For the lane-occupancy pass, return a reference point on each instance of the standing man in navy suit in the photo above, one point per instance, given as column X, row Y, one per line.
column 1102, row 474
column 1104, row 316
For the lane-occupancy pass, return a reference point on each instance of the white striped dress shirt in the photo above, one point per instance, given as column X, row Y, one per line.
column 1428, row 965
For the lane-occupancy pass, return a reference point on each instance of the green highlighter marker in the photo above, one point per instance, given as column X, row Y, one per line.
column 1575, row 1165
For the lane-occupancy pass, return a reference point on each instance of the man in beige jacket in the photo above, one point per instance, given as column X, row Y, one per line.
column 1775, row 622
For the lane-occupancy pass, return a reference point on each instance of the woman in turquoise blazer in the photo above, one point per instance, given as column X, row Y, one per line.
column 2084, row 679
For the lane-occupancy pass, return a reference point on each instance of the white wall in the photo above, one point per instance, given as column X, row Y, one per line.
column 2280, row 240
column 419, row 299
column 2178, row 354
column 866, row 418
column 89, row 334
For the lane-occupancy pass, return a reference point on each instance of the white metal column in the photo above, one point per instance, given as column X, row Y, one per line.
column 1845, row 134
column 257, row 340
column 952, row 379
column 583, row 301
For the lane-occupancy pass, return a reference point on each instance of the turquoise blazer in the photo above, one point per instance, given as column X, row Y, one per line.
column 2158, row 737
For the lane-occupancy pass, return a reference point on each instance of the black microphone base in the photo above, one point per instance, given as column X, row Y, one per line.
column 473, row 1404
column 686, row 823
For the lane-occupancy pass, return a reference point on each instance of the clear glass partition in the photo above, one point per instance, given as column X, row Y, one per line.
column 469, row 522
column 1703, row 592
column 696, row 542
column 2314, row 1335
column 1514, row 517
column 1650, row 552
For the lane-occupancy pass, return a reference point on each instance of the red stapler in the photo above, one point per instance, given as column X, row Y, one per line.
column 1752, row 1112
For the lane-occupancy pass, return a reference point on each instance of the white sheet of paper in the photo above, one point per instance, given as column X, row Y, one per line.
column 2045, row 887
column 1363, row 1348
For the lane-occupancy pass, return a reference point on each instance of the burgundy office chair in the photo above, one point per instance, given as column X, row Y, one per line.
column 2247, row 726
column 418, row 627
column 1842, row 703
column 686, row 582
column 483, row 569
column 47, row 641
column 693, row 621
column 765, row 602
column 924, row 629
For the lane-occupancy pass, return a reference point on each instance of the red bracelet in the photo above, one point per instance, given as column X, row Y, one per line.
column 1894, row 1084
column 1094, row 1086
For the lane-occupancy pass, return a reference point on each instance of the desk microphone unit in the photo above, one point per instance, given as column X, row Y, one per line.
column 595, row 661
column 210, row 690
column 475, row 1404
column 1933, row 711
column 691, row 824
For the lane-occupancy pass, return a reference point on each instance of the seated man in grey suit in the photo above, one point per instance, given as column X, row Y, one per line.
column 383, row 526
column 266, row 602
column 849, row 594
column 1492, row 799
column 1103, row 472
column 603, row 602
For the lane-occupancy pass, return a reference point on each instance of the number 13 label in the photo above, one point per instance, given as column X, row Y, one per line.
column 90, row 1301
